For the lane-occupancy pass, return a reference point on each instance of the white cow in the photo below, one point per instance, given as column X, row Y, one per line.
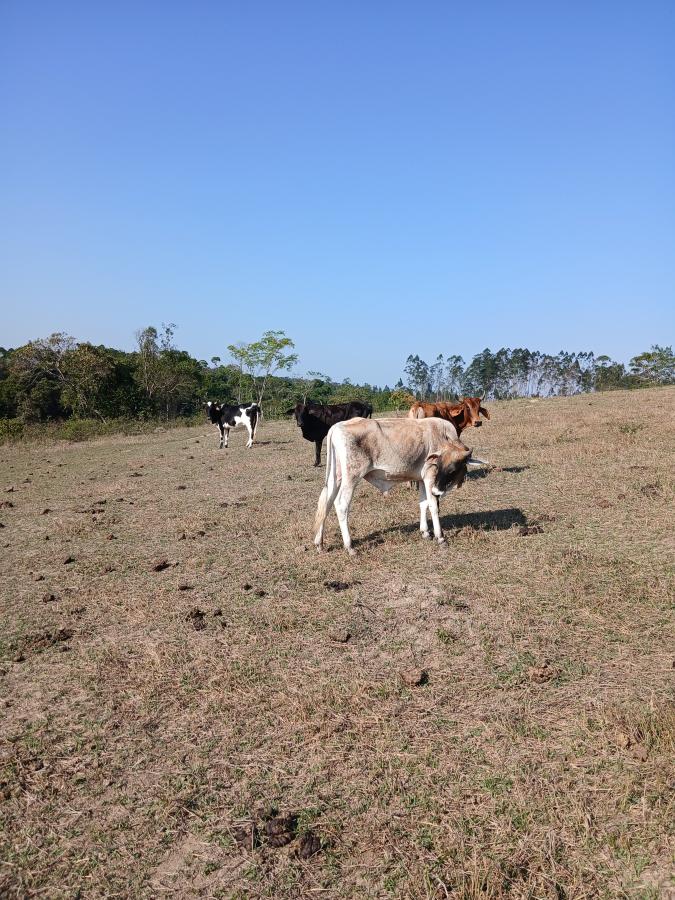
column 386, row 452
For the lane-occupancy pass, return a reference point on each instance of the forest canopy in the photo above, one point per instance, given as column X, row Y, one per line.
column 58, row 378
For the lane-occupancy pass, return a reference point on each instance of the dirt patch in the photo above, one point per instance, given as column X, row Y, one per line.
column 40, row 641
column 197, row 618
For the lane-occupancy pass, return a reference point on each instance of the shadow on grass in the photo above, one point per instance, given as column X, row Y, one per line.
column 477, row 474
column 489, row 520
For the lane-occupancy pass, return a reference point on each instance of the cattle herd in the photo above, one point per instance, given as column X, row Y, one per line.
column 423, row 448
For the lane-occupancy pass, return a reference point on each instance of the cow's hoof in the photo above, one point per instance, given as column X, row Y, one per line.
column 441, row 540
column 426, row 535
column 351, row 551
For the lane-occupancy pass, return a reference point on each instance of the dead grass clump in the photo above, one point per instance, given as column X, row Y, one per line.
column 652, row 727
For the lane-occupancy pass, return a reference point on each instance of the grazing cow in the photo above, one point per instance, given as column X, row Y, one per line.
column 315, row 419
column 463, row 415
column 226, row 417
column 386, row 452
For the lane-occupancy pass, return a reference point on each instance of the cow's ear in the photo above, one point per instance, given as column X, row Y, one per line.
column 433, row 456
column 483, row 412
column 457, row 410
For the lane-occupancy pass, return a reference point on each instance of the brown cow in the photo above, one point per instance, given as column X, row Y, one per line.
column 463, row 415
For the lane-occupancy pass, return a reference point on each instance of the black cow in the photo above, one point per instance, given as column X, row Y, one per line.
column 226, row 417
column 315, row 419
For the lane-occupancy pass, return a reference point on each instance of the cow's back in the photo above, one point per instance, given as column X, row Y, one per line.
column 393, row 443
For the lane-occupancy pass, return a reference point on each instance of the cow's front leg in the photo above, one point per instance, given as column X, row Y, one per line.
column 317, row 460
column 432, row 503
column 221, row 430
column 226, row 429
column 424, row 506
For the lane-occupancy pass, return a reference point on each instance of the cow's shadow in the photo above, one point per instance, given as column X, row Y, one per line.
column 488, row 520
column 476, row 474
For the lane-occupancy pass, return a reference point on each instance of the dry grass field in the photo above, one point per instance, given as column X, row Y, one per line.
column 195, row 703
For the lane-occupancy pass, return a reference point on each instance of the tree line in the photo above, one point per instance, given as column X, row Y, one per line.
column 506, row 374
column 59, row 378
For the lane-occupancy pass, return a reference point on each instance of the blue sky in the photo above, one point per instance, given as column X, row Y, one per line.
column 376, row 179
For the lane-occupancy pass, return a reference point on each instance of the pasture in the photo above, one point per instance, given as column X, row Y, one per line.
column 195, row 703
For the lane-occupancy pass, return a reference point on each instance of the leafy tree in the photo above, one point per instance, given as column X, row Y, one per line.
column 343, row 393
column 418, row 375
column 454, row 370
column 608, row 375
column 262, row 359
column 437, row 377
column 312, row 384
column 170, row 378
column 86, row 372
column 655, row 366
column 480, row 376
column 148, row 369
column 56, row 375
column 401, row 399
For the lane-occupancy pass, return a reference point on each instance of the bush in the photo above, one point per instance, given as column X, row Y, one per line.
column 86, row 429
column 11, row 430
column 81, row 429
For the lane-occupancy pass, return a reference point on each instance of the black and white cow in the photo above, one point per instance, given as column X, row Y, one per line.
column 226, row 417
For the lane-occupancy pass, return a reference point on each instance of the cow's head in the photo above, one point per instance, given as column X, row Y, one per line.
column 469, row 412
column 213, row 411
column 298, row 411
column 450, row 467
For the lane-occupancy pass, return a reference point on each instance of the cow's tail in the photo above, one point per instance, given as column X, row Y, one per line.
column 329, row 486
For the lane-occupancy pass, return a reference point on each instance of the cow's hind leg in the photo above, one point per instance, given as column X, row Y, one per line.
column 343, row 502
column 317, row 460
column 424, row 506
column 221, row 430
column 226, row 429
column 326, row 500
column 247, row 423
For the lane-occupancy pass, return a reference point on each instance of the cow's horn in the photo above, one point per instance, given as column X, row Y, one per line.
column 475, row 462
